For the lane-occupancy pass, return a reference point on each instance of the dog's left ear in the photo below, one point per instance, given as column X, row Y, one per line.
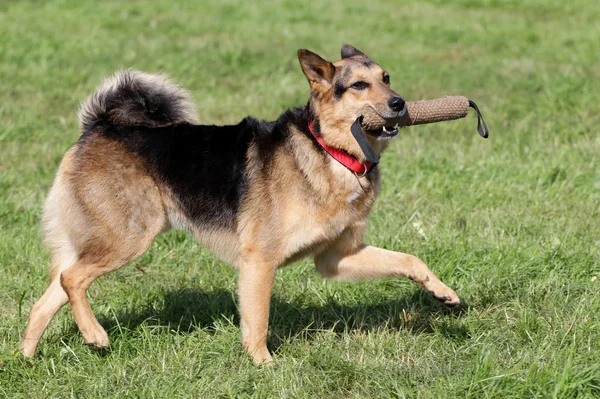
column 350, row 51
column 317, row 70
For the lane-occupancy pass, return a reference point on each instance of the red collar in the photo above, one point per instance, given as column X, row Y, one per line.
column 342, row 156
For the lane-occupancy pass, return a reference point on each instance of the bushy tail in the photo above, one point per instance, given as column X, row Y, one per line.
column 134, row 98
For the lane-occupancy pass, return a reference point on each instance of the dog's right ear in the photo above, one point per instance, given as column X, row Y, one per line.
column 351, row 51
column 317, row 70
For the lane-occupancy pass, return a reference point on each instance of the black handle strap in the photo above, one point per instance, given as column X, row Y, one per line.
column 483, row 131
column 360, row 137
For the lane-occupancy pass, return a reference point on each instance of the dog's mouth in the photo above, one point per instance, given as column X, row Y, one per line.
column 385, row 132
column 381, row 125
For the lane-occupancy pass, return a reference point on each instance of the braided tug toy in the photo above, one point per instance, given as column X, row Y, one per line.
column 429, row 111
column 414, row 113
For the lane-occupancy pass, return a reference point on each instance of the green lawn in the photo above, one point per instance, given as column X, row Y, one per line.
column 512, row 223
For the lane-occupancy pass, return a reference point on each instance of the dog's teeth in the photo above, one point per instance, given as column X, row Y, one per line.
column 396, row 126
column 384, row 129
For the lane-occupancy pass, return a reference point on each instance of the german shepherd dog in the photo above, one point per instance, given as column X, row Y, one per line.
column 259, row 195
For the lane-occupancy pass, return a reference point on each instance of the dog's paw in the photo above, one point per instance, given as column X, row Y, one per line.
column 451, row 301
column 28, row 346
column 261, row 357
column 268, row 361
column 444, row 294
column 97, row 339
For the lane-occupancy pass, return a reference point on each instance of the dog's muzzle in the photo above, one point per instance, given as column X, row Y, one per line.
column 382, row 125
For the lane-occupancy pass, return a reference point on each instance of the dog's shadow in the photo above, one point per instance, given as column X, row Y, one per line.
column 185, row 310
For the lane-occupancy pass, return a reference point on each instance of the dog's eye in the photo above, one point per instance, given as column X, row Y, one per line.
column 360, row 85
column 386, row 79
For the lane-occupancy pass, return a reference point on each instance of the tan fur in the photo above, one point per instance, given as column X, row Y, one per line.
column 304, row 204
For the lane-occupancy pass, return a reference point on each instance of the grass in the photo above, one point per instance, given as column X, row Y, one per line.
column 511, row 223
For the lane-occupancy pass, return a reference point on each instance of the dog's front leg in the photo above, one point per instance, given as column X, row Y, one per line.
column 254, row 290
column 350, row 259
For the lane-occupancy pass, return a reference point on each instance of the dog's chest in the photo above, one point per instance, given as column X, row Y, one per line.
column 354, row 195
column 322, row 220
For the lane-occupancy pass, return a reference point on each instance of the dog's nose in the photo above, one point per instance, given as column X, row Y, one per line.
column 396, row 103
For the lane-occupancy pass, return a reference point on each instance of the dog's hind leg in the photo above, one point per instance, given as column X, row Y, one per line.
column 105, row 251
column 75, row 281
column 40, row 316
column 64, row 255
column 68, row 285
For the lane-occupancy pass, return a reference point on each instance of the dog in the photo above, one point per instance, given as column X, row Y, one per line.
column 259, row 195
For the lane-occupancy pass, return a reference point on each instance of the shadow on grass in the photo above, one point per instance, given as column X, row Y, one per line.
column 187, row 310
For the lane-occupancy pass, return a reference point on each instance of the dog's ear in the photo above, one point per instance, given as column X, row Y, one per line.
column 350, row 51
column 316, row 69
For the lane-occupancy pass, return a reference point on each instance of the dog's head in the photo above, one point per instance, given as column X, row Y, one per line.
column 348, row 89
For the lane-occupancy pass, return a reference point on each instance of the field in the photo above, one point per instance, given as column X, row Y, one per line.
column 512, row 223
